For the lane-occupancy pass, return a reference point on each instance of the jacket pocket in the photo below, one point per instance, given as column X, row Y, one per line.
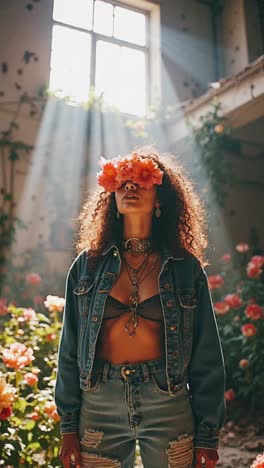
column 187, row 302
column 83, row 290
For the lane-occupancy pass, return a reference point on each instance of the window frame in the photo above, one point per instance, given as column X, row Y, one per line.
column 151, row 48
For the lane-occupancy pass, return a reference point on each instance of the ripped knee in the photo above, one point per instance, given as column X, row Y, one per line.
column 91, row 460
column 180, row 452
column 92, row 439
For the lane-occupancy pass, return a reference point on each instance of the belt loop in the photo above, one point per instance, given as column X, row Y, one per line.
column 105, row 371
column 145, row 371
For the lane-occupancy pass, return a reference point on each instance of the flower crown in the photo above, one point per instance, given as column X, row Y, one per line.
column 142, row 171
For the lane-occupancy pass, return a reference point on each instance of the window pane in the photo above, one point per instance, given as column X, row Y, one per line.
column 130, row 26
column 77, row 13
column 103, row 18
column 121, row 76
column 70, row 63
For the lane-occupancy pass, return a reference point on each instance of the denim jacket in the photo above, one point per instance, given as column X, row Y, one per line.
column 192, row 346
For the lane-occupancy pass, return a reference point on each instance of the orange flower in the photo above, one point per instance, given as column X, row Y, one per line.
column 233, row 300
column 49, row 407
column 30, row 378
column 18, row 356
column 219, row 129
column 249, row 329
column 55, row 416
column 230, row 394
column 221, row 308
column 7, row 394
column 258, row 462
column 215, row 281
column 143, row 171
column 34, row 415
column 254, row 311
column 107, row 177
column 242, row 247
column 54, row 303
column 147, row 173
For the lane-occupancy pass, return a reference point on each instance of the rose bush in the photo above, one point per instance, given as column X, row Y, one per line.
column 28, row 417
column 238, row 296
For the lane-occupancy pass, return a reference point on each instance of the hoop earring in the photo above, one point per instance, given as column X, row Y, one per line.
column 158, row 212
column 118, row 215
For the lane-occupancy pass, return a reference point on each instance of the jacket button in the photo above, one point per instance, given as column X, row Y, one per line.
column 169, row 303
column 174, row 388
column 166, row 285
column 175, row 354
column 173, row 327
column 95, row 318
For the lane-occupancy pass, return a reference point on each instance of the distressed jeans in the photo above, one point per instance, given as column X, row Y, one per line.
column 130, row 402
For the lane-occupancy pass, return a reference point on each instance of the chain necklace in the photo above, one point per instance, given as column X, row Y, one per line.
column 136, row 276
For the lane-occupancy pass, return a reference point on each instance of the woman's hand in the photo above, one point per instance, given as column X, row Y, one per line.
column 70, row 450
column 210, row 455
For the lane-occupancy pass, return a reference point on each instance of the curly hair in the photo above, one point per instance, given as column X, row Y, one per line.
column 181, row 225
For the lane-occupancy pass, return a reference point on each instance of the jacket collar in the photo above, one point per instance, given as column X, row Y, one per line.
column 166, row 253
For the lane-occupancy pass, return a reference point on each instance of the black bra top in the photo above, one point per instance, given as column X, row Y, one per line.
column 149, row 309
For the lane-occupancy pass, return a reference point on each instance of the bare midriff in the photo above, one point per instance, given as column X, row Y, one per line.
column 114, row 343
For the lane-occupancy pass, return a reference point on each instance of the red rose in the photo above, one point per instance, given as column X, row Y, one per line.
column 254, row 311
column 5, row 413
column 233, row 300
column 253, row 271
column 249, row 329
column 221, row 308
column 230, row 394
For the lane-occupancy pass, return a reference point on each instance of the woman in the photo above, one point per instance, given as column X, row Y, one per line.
column 140, row 355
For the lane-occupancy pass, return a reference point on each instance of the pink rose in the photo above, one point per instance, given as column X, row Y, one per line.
column 243, row 363
column 30, row 378
column 33, row 278
column 215, row 281
column 253, row 271
column 226, row 258
column 29, row 314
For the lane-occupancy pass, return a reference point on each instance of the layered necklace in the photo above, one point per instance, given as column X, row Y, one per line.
column 137, row 275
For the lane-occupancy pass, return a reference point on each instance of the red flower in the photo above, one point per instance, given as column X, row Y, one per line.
column 254, row 311
column 253, row 271
column 221, row 308
column 226, row 258
column 107, row 177
column 243, row 363
column 233, row 300
column 230, row 394
column 249, row 329
column 33, row 278
column 215, row 281
column 5, row 413
column 30, row 378
column 258, row 261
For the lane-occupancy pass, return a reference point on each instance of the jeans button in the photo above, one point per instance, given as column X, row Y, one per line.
column 173, row 327
column 169, row 303
column 175, row 354
column 95, row 318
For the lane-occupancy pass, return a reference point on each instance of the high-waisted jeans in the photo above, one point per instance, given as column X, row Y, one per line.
column 130, row 402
